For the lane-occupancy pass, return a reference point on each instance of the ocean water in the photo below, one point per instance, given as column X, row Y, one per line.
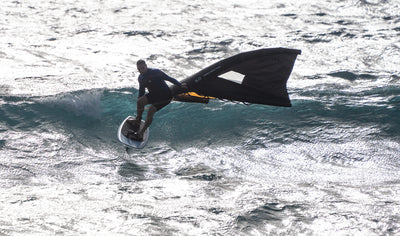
column 329, row 165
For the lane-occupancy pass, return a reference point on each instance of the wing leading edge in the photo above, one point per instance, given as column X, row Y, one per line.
column 258, row 76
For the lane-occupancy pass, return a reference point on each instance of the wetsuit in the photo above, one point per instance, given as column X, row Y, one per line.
column 159, row 93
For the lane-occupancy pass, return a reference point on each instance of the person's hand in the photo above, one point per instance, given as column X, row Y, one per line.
column 184, row 86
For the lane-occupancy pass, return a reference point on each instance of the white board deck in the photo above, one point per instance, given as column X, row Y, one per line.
column 130, row 142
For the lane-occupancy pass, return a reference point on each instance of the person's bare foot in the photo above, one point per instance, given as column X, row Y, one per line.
column 138, row 120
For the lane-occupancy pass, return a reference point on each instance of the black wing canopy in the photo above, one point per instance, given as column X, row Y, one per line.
column 252, row 77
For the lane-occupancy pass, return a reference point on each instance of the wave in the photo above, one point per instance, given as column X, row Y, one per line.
column 115, row 104
column 329, row 126
column 184, row 122
column 323, row 126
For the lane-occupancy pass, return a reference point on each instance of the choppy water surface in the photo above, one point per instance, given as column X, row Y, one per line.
column 327, row 165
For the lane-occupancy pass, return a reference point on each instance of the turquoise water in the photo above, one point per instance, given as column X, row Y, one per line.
column 327, row 165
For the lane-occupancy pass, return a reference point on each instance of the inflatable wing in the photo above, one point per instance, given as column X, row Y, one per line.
column 258, row 76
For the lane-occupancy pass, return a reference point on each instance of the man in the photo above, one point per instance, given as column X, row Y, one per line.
column 159, row 95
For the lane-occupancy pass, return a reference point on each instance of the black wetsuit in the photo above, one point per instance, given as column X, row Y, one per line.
column 159, row 93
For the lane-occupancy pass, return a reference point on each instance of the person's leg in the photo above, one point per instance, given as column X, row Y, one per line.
column 141, row 103
column 149, row 118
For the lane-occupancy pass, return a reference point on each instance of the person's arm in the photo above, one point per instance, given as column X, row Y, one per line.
column 170, row 79
column 141, row 87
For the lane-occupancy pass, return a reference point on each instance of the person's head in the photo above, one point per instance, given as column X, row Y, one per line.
column 141, row 66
